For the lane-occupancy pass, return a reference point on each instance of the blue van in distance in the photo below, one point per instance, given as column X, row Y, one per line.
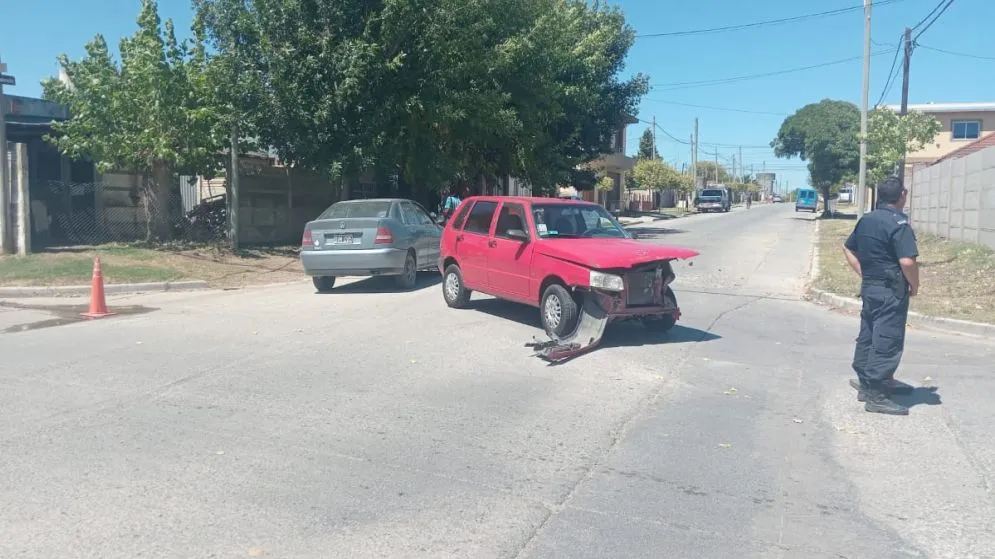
column 807, row 200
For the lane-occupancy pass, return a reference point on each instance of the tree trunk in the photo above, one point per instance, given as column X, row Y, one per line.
column 825, row 202
column 158, row 194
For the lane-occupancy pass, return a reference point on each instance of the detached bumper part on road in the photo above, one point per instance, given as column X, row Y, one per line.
column 590, row 328
column 359, row 262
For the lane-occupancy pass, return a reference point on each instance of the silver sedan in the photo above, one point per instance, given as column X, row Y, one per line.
column 377, row 237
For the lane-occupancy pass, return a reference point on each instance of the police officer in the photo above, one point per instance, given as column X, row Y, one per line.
column 882, row 250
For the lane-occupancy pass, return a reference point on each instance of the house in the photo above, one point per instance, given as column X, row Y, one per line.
column 614, row 165
column 962, row 124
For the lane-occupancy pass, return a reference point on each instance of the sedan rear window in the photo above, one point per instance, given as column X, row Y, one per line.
column 711, row 193
column 357, row 208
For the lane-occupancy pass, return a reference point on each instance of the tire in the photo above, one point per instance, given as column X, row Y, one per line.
column 454, row 292
column 323, row 284
column 558, row 311
column 409, row 278
column 662, row 324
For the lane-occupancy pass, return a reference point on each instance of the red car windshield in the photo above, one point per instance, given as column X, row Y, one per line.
column 576, row 221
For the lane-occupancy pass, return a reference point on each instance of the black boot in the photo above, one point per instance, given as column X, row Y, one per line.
column 877, row 401
column 891, row 386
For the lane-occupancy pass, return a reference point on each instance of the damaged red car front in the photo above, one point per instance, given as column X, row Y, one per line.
column 571, row 259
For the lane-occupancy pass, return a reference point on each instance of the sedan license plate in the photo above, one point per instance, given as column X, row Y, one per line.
column 341, row 239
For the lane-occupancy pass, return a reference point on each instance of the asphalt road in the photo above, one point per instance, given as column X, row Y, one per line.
column 367, row 423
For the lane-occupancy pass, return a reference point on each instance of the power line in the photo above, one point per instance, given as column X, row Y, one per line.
column 730, row 109
column 929, row 15
column 721, row 81
column 892, row 74
column 661, row 129
column 930, row 24
column 742, row 26
column 977, row 56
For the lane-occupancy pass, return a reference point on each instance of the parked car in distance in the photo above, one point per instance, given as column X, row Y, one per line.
column 807, row 200
column 550, row 253
column 776, row 199
column 377, row 237
column 713, row 200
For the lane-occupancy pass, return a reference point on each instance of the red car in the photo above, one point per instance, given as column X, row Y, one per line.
column 562, row 256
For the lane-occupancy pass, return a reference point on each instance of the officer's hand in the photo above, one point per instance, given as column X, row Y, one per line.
column 913, row 290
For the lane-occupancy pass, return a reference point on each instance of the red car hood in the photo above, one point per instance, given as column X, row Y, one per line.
column 605, row 254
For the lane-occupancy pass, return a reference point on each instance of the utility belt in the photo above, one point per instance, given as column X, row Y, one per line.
column 893, row 280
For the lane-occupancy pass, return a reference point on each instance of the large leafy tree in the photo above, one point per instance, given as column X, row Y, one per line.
column 149, row 114
column 434, row 91
column 825, row 134
column 890, row 136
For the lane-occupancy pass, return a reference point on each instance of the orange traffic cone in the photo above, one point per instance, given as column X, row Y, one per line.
column 98, row 303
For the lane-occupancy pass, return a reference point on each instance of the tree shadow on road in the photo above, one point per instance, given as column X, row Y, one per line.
column 618, row 334
column 376, row 285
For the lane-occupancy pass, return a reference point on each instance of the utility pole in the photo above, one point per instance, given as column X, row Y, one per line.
column 654, row 137
column 716, row 165
column 905, row 95
column 694, row 155
column 742, row 170
column 6, row 231
column 234, row 206
column 862, row 175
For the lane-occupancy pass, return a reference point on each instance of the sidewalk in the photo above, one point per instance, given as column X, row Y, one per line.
column 957, row 290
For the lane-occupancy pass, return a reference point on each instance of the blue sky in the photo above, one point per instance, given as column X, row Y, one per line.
column 36, row 32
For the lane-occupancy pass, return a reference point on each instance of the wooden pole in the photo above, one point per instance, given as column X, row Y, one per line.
column 23, row 201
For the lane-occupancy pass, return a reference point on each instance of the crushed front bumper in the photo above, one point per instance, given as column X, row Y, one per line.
column 598, row 309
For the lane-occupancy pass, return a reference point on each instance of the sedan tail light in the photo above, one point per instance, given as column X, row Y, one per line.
column 384, row 236
column 306, row 240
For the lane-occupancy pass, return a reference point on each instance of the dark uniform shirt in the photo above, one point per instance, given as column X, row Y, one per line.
column 879, row 240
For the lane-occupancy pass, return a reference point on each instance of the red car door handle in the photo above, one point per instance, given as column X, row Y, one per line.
column 459, row 237
column 492, row 243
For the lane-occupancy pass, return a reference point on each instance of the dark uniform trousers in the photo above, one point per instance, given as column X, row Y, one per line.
column 882, row 329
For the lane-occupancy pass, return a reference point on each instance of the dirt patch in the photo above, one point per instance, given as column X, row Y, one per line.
column 957, row 280
column 221, row 268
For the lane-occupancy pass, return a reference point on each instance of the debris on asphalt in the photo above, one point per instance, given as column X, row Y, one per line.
column 730, row 392
column 725, row 445
column 797, row 420
column 587, row 335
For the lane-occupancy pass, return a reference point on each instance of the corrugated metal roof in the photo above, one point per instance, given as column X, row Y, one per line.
column 949, row 107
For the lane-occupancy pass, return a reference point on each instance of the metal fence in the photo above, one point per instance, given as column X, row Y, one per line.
column 955, row 199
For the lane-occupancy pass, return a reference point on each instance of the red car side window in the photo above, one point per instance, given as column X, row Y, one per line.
column 461, row 216
column 480, row 217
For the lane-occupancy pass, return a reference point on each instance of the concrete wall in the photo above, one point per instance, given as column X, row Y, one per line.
column 956, row 198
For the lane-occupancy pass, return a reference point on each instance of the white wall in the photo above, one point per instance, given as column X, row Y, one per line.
column 956, row 198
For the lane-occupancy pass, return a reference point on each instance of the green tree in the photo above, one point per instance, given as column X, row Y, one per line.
column 605, row 184
column 647, row 147
column 825, row 134
column 654, row 174
column 707, row 169
column 438, row 90
column 149, row 114
column 889, row 135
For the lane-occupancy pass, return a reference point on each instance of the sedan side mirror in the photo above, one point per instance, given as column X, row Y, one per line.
column 433, row 215
column 517, row 234
column 634, row 234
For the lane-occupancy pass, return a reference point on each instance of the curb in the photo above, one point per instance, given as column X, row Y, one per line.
column 119, row 288
column 948, row 324
column 838, row 301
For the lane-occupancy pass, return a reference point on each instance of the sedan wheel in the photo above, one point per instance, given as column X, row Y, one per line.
column 323, row 284
column 409, row 277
